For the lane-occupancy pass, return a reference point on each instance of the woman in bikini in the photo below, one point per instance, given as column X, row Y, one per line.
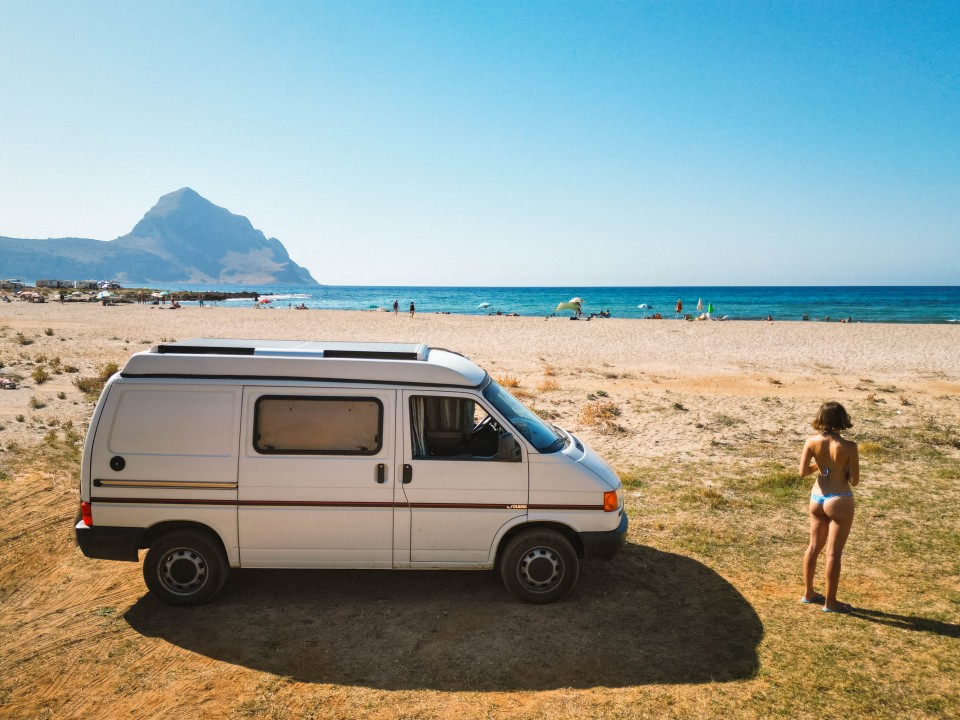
column 837, row 464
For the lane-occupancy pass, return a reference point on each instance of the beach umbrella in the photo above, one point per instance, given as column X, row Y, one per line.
column 264, row 301
column 102, row 295
column 645, row 306
column 483, row 305
column 700, row 305
column 578, row 301
column 710, row 308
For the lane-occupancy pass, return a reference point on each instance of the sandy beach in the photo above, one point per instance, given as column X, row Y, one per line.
column 699, row 416
column 710, row 367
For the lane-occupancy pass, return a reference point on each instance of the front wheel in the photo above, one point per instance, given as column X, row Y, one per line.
column 185, row 567
column 539, row 566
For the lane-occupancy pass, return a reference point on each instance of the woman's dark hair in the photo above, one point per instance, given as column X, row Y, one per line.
column 831, row 418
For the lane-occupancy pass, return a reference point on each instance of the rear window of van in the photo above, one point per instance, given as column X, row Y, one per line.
column 164, row 421
column 318, row 425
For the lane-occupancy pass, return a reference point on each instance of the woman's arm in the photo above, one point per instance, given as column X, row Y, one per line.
column 808, row 464
column 854, row 466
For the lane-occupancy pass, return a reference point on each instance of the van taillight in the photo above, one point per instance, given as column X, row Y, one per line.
column 86, row 512
column 610, row 501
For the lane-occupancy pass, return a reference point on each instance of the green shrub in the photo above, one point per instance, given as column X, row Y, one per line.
column 782, row 483
column 92, row 385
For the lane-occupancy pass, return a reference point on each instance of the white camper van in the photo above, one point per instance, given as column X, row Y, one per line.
column 213, row 454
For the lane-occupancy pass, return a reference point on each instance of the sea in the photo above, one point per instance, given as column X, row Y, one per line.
column 888, row 304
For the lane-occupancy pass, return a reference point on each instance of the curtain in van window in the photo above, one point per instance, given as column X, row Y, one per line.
column 449, row 414
column 417, row 424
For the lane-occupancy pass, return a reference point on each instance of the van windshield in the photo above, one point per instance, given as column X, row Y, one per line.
column 543, row 437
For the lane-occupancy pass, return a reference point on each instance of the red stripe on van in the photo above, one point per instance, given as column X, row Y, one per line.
column 325, row 503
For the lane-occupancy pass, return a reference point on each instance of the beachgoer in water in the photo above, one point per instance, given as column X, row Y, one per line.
column 396, row 307
column 679, row 309
column 412, row 309
column 836, row 461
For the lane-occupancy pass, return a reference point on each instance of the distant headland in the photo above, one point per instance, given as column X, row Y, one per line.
column 184, row 238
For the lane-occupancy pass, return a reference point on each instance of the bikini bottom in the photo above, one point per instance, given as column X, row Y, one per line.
column 821, row 499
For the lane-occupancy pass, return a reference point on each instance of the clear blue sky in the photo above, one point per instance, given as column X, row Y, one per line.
column 503, row 143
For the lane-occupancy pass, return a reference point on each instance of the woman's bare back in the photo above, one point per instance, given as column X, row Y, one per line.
column 837, row 462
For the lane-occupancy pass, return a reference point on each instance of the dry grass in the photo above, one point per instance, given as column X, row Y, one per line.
column 548, row 385
column 508, row 381
column 602, row 415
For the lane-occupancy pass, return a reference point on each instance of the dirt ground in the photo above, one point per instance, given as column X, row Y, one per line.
column 672, row 627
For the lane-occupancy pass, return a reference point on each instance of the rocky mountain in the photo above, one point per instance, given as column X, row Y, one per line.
column 183, row 238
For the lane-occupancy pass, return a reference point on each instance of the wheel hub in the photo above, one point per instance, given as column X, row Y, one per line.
column 540, row 569
column 183, row 571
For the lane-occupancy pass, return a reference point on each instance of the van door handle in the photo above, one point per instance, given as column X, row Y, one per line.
column 407, row 474
column 381, row 473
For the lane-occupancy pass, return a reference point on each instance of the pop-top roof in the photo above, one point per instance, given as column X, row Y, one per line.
column 391, row 363
column 297, row 348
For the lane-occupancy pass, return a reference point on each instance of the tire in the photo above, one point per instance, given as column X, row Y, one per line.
column 539, row 566
column 185, row 567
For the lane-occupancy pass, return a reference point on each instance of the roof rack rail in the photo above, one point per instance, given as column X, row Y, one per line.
column 374, row 354
column 168, row 349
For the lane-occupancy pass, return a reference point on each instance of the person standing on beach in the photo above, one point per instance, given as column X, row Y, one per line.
column 679, row 309
column 412, row 309
column 396, row 308
column 836, row 461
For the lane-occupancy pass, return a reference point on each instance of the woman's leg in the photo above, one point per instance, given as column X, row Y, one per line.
column 819, row 527
column 840, row 512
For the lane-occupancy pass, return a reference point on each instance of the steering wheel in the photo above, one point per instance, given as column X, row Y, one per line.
column 482, row 425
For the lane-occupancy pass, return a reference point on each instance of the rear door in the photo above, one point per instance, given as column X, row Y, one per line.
column 459, row 495
column 168, row 451
column 316, row 477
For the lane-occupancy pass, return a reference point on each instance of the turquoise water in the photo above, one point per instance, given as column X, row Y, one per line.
column 932, row 305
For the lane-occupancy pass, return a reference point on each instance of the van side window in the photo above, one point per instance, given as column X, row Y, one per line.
column 452, row 428
column 318, row 425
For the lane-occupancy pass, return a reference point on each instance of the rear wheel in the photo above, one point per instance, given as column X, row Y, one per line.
column 185, row 567
column 539, row 566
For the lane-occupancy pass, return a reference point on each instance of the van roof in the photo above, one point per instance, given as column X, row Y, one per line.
column 391, row 363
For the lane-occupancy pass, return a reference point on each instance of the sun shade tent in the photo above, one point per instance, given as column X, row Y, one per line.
column 572, row 306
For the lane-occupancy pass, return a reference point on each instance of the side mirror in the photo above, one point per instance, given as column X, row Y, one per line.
column 507, row 448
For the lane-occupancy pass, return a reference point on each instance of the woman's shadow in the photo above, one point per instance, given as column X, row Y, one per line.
column 645, row 617
column 908, row 622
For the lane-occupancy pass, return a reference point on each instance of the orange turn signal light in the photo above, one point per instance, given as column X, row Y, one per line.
column 610, row 501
